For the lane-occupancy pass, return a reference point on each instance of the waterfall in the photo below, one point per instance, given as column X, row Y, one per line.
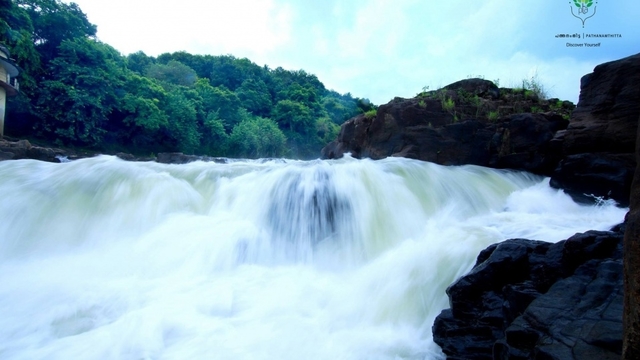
column 273, row 259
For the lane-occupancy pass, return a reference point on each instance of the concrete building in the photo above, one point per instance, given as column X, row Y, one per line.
column 8, row 83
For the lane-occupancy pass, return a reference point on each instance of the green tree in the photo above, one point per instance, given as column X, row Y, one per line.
column 296, row 92
column 77, row 99
column 364, row 105
column 215, row 141
column 139, row 62
column 231, row 72
column 255, row 97
column 54, row 22
column 222, row 101
column 283, row 79
column 326, row 131
column 257, row 137
column 83, row 92
column 16, row 33
column 183, row 122
column 173, row 72
column 138, row 118
column 339, row 107
column 200, row 64
column 298, row 124
column 293, row 116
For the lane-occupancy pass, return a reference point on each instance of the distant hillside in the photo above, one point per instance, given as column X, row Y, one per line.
column 78, row 91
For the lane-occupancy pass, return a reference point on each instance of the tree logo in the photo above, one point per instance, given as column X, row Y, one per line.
column 583, row 8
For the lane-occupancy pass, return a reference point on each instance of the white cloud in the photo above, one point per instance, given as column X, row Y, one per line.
column 198, row 26
column 373, row 48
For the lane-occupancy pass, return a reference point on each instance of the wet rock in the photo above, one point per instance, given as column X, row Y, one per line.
column 580, row 317
column 22, row 149
column 598, row 146
column 180, row 158
column 530, row 299
column 596, row 175
column 631, row 348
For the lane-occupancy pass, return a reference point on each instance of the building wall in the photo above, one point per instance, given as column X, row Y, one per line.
column 3, row 102
column 3, row 98
column 4, row 77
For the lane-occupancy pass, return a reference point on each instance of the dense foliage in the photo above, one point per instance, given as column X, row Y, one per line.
column 78, row 91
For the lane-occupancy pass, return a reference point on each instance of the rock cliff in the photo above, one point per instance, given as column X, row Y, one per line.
column 631, row 349
column 598, row 145
column 468, row 122
column 526, row 299
column 588, row 151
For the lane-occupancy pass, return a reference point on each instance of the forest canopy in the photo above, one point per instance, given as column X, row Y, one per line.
column 78, row 91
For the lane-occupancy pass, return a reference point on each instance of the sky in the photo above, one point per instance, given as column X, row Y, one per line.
column 380, row 49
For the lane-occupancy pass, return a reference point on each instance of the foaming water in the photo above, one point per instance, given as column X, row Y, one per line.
column 345, row 259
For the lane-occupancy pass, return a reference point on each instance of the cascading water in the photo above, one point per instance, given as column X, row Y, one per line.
column 347, row 259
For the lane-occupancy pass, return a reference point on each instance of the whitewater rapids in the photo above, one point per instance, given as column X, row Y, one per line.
column 274, row 259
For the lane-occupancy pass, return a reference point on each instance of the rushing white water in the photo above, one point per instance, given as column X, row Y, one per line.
column 348, row 259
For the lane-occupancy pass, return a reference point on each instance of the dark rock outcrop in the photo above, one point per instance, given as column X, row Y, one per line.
column 481, row 129
column 180, row 158
column 598, row 145
column 473, row 122
column 530, row 299
column 523, row 141
column 22, row 149
column 476, row 86
column 585, row 176
column 606, row 117
column 631, row 348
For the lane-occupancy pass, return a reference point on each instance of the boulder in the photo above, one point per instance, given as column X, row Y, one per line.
column 589, row 176
column 180, row 158
column 580, row 317
column 531, row 299
column 22, row 149
column 476, row 86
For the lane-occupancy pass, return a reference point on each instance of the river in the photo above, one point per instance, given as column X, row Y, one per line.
column 268, row 259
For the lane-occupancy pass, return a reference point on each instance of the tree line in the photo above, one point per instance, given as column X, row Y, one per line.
column 78, row 91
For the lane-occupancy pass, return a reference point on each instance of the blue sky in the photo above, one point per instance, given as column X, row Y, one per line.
column 379, row 49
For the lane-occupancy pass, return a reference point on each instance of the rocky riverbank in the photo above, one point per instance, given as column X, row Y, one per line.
column 13, row 149
column 527, row 299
